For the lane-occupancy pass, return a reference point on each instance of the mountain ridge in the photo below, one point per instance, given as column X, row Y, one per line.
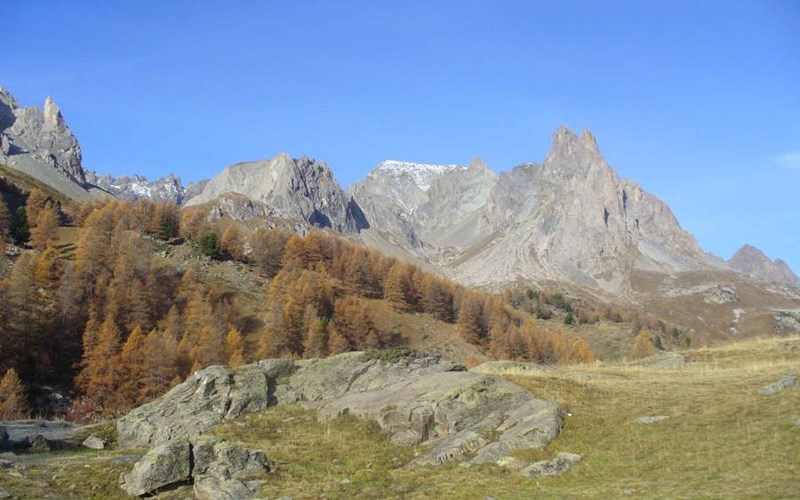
column 570, row 218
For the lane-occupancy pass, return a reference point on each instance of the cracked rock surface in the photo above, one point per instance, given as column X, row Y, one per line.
column 460, row 415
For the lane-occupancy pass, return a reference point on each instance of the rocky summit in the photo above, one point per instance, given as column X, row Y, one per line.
column 38, row 142
column 301, row 189
column 752, row 262
column 570, row 218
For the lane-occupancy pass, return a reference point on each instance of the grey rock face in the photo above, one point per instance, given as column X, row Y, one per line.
column 786, row 321
column 571, row 218
column 414, row 400
column 721, row 294
column 752, row 262
column 39, row 143
column 783, row 383
column 194, row 189
column 553, row 467
column 168, row 188
column 207, row 398
column 221, row 469
column 302, row 189
column 163, row 465
column 44, row 134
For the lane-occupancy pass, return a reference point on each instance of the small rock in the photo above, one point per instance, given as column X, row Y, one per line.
column 4, row 493
column 651, row 419
column 784, row 383
column 552, row 467
column 345, row 481
column 6, row 464
column 797, row 422
column 94, row 442
column 39, row 444
column 510, row 462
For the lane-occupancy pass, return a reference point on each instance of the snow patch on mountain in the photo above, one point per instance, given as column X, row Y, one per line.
column 422, row 174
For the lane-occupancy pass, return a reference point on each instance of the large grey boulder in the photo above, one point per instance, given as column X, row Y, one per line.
column 164, row 465
column 218, row 469
column 414, row 399
column 222, row 469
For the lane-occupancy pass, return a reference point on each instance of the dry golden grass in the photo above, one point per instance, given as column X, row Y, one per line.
column 723, row 439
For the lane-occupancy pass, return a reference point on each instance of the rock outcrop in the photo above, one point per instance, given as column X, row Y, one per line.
column 751, row 261
column 38, row 142
column 784, row 383
column 552, row 467
column 416, row 399
column 207, row 398
column 301, row 189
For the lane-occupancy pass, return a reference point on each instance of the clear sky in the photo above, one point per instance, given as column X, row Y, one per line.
column 698, row 101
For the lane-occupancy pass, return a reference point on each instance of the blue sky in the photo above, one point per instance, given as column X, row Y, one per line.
column 697, row 101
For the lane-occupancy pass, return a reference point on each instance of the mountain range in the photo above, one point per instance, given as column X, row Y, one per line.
column 569, row 220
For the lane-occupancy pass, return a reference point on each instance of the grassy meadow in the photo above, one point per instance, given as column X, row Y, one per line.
column 722, row 440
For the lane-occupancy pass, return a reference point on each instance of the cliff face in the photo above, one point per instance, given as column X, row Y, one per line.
column 569, row 218
column 301, row 189
column 38, row 142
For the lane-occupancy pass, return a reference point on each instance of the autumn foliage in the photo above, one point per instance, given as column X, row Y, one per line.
column 123, row 324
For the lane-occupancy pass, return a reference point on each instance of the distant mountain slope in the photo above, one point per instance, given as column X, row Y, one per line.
column 168, row 188
column 303, row 189
column 752, row 261
column 571, row 218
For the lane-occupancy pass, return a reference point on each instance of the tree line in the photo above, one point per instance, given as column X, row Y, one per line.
column 107, row 314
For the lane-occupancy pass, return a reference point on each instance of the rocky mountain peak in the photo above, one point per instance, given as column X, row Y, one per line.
column 301, row 188
column 135, row 187
column 751, row 261
column 570, row 154
column 478, row 164
column 52, row 113
column 588, row 142
column 38, row 142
